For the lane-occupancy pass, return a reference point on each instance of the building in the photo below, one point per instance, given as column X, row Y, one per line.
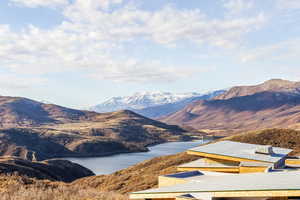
column 236, row 157
column 231, row 170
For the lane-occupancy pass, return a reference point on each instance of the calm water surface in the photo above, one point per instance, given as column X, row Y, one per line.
column 110, row 164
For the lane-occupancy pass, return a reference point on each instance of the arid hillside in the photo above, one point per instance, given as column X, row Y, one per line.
column 23, row 112
column 273, row 104
column 15, row 187
column 273, row 85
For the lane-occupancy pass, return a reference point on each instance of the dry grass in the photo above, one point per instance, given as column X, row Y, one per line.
column 14, row 187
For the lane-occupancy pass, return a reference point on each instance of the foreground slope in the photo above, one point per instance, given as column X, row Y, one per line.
column 21, row 187
column 273, row 104
column 54, row 170
column 144, row 175
column 37, row 131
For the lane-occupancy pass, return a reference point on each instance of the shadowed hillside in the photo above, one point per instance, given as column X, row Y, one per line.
column 54, row 170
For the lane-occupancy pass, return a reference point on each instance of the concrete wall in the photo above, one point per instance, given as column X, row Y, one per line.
column 211, row 169
column 250, row 169
column 292, row 162
column 220, row 161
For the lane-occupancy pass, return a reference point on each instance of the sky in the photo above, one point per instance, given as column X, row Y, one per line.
column 78, row 53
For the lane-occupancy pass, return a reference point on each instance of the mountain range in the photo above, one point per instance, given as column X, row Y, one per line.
column 272, row 104
column 153, row 104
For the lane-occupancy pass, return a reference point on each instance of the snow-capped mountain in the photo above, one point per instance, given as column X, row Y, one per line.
column 150, row 103
column 141, row 100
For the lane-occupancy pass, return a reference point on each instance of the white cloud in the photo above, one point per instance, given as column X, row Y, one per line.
column 283, row 51
column 40, row 3
column 166, row 26
column 105, row 4
column 238, row 6
column 91, row 40
column 288, row 4
column 15, row 82
column 138, row 71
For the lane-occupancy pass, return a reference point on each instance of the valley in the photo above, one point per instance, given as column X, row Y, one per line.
column 116, row 145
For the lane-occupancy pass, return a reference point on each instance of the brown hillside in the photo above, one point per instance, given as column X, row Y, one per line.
column 23, row 188
column 274, row 85
column 23, row 112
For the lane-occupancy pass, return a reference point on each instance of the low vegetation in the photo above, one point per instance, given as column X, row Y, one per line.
column 13, row 187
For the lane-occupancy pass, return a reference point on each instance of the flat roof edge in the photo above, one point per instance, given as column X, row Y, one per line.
column 180, row 192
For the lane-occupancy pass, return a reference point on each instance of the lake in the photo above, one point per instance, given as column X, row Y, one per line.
column 110, row 164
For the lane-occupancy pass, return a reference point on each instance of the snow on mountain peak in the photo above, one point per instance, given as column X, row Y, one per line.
column 141, row 100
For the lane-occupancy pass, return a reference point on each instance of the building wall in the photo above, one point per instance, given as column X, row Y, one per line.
column 168, row 181
column 292, row 161
column 211, row 169
column 248, row 169
column 221, row 161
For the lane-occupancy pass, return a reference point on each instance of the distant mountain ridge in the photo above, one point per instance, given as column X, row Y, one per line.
column 19, row 111
column 273, row 85
column 272, row 104
column 152, row 104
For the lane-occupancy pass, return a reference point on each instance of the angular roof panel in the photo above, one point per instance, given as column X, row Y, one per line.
column 242, row 150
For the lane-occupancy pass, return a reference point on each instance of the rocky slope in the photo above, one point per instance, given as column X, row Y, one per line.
column 54, row 170
column 43, row 131
column 273, row 104
column 152, row 104
column 144, row 175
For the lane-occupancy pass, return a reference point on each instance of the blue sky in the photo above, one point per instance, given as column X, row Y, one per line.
column 80, row 52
